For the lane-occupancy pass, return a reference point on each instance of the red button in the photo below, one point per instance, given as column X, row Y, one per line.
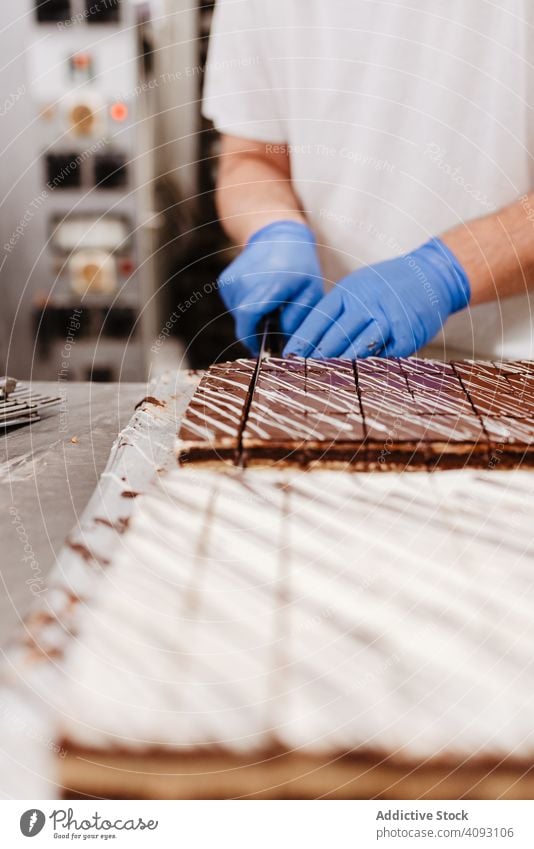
column 82, row 60
column 119, row 111
column 126, row 266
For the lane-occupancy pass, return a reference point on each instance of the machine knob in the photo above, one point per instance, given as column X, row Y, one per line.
column 85, row 113
column 93, row 271
column 82, row 119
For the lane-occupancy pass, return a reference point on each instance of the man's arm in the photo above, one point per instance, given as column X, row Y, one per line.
column 254, row 187
column 396, row 307
column 497, row 251
column 278, row 268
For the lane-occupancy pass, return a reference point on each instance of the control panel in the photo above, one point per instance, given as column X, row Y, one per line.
column 87, row 159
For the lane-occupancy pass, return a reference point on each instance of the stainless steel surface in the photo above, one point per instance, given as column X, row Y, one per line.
column 47, row 474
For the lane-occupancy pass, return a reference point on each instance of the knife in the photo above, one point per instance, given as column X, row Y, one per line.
column 269, row 330
column 271, row 335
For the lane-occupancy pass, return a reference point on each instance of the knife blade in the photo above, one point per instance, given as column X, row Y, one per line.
column 269, row 330
column 272, row 334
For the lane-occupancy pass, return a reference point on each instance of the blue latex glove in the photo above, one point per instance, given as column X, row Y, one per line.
column 390, row 309
column 279, row 267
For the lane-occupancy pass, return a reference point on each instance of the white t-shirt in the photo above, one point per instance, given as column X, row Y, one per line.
column 403, row 118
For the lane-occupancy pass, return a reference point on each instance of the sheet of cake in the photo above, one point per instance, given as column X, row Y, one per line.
column 317, row 612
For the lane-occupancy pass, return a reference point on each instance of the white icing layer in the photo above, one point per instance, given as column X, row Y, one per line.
column 318, row 610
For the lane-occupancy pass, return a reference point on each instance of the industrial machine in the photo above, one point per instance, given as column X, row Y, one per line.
column 77, row 216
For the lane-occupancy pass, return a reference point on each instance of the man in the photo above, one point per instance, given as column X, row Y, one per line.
column 379, row 151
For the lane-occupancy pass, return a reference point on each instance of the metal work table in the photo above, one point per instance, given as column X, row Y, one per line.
column 48, row 472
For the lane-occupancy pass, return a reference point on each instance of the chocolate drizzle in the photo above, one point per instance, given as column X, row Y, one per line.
column 373, row 413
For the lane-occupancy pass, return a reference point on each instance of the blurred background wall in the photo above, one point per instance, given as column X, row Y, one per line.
column 109, row 238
